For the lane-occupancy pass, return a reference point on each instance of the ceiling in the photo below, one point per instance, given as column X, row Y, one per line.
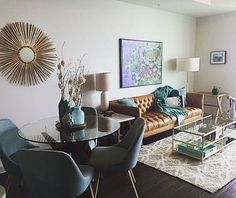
column 195, row 8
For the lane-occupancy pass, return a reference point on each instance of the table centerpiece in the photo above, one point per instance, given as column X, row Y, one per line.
column 71, row 79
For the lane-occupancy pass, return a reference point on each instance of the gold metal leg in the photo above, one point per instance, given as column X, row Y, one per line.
column 91, row 190
column 133, row 176
column 220, row 105
column 97, row 185
column 219, row 109
column 133, row 185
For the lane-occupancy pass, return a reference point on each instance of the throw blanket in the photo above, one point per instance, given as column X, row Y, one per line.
column 161, row 105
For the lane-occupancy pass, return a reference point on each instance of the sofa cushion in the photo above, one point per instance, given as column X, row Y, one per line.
column 173, row 93
column 156, row 119
column 181, row 96
column 192, row 112
column 174, row 101
column 145, row 103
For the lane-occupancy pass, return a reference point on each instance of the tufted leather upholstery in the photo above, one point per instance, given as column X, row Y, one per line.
column 157, row 122
column 145, row 103
column 192, row 111
column 155, row 119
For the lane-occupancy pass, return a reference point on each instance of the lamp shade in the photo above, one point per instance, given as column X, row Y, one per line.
column 103, row 81
column 187, row 64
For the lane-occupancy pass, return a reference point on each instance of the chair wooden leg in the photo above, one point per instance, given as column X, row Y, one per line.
column 91, row 190
column 133, row 184
column 97, row 185
column 133, row 176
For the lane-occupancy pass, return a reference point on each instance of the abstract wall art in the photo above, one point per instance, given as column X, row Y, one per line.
column 140, row 62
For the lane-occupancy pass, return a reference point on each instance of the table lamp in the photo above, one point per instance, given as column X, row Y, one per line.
column 187, row 65
column 103, row 84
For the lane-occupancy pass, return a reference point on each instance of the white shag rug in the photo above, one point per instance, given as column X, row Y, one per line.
column 211, row 174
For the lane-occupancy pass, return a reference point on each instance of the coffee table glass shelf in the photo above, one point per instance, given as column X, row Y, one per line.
column 204, row 137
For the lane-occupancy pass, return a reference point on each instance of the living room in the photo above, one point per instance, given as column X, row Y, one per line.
column 93, row 29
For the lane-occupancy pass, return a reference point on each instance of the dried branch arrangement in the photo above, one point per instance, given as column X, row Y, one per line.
column 76, row 80
column 62, row 74
column 71, row 78
column 14, row 37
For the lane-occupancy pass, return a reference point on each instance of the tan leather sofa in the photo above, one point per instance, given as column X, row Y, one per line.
column 157, row 122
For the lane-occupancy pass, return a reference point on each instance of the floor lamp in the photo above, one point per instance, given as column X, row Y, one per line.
column 103, row 84
column 187, row 65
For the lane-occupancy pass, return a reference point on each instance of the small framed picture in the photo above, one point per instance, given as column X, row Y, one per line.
column 218, row 57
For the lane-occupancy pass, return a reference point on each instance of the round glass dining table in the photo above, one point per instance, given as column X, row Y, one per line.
column 45, row 130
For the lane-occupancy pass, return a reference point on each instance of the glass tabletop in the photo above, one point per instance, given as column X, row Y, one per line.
column 45, row 131
column 206, row 125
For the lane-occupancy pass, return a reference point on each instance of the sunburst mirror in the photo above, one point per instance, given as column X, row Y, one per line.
column 27, row 56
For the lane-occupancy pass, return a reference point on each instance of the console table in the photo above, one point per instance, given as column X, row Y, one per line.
column 218, row 105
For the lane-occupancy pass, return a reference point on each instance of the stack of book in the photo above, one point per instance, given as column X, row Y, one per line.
column 196, row 151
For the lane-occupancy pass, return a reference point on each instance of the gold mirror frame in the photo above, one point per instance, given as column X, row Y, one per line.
column 19, row 35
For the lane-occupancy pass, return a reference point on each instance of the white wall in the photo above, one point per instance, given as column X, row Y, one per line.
column 216, row 33
column 92, row 27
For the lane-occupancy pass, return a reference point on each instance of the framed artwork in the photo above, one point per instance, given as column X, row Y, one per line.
column 140, row 63
column 218, row 57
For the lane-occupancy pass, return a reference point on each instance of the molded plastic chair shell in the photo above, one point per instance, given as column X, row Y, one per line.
column 52, row 174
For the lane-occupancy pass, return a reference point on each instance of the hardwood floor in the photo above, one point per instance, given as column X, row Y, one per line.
column 151, row 183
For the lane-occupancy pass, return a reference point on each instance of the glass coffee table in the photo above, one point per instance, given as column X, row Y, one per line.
column 204, row 137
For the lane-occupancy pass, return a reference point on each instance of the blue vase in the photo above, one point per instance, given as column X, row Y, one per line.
column 77, row 116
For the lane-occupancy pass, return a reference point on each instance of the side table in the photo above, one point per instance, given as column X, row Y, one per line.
column 218, row 105
column 121, row 118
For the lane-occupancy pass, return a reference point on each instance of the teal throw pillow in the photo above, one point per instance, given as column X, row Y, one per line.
column 128, row 101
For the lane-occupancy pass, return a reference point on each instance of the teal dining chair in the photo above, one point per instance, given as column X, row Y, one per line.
column 120, row 157
column 52, row 174
column 10, row 143
column 91, row 144
column 89, row 110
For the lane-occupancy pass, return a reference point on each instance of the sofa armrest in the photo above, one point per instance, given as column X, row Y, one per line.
column 124, row 109
column 195, row 100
